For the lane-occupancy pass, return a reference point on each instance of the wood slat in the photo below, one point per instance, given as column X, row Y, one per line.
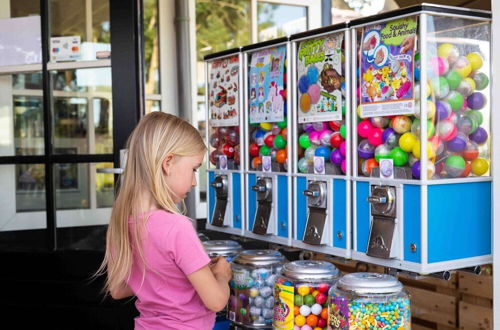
column 476, row 285
column 474, row 317
column 434, row 307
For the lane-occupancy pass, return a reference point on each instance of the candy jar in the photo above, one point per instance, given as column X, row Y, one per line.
column 252, row 301
column 368, row 301
column 301, row 293
column 223, row 248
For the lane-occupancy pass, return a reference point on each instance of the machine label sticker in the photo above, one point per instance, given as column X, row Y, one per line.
column 319, row 68
column 319, row 165
column 283, row 307
column 266, row 85
column 223, row 87
column 387, row 63
column 387, row 168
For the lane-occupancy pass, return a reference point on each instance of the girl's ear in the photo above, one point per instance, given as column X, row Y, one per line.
column 167, row 162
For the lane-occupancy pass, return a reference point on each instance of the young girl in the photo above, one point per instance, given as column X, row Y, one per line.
column 152, row 251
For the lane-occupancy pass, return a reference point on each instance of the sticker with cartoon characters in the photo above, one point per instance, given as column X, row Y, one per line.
column 319, row 68
column 223, row 86
column 386, row 75
column 283, row 307
column 266, row 85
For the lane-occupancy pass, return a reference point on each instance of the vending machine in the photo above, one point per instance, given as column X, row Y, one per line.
column 321, row 138
column 421, row 138
column 224, row 126
column 267, row 137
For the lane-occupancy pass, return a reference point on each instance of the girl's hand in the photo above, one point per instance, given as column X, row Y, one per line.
column 221, row 269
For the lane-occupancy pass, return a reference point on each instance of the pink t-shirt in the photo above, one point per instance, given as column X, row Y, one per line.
column 166, row 299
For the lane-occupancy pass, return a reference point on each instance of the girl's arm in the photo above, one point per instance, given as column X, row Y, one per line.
column 122, row 292
column 212, row 285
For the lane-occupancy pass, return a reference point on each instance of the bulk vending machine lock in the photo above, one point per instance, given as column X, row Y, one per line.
column 321, row 158
column 224, row 171
column 267, row 138
column 420, row 138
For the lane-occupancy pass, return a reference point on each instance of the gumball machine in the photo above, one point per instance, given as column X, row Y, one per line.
column 224, row 120
column 421, row 145
column 267, row 141
column 321, row 134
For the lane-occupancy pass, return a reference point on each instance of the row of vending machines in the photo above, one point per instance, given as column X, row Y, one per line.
column 367, row 140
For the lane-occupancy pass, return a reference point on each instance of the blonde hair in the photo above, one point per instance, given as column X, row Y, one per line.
column 157, row 135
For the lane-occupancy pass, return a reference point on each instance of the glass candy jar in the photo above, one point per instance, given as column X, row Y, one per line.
column 252, row 301
column 368, row 301
column 301, row 293
column 223, row 248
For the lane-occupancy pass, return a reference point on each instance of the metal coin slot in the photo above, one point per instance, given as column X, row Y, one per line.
column 384, row 213
column 220, row 184
column 316, row 193
column 264, row 190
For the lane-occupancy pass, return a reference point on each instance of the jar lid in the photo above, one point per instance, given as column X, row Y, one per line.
column 221, row 247
column 369, row 283
column 310, row 269
column 259, row 257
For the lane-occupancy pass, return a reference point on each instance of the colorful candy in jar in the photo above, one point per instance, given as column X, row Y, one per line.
column 268, row 139
column 224, row 141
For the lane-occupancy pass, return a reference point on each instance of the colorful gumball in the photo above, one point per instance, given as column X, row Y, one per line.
column 466, row 87
column 415, row 170
column 479, row 166
column 415, row 128
column 304, row 141
column 214, row 156
column 343, row 131
column 455, row 100
column 467, row 170
column 266, row 126
column 454, row 166
column 322, row 151
column 264, row 150
column 308, row 127
column 449, row 52
column 336, row 140
column 364, row 128
column 269, row 140
column 381, row 152
column 475, row 60
column 303, row 165
column 446, row 130
column 471, row 151
column 380, row 122
column 309, row 153
column 343, row 166
column 476, row 101
column 256, row 161
column 443, row 110
column 214, row 140
column 454, row 78
column 365, row 149
column 228, row 150
column 375, row 136
column 314, row 138
column 282, row 124
column 467, row 124
column 320, row 126
column 440, row 87
column 368, row 165
column 481, row 79
column 335, row 125
column 281, row 156
column 390, row 137
column 284, row 133
column 401, row 124
column 439, row 65
column 480, row 136
column 416, row 150
column 336, row 157
column 399, row 156
column 279, row 142
column 342, row 148
column 462, row 66
column 325, row 137
column 458, row 143
column 407, row 141
column 258, row 137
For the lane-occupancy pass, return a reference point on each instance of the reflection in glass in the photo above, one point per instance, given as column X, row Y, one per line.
column 21, row 110
column 221, row 25
column 82, row 111
column 72, row 186
column 68, row 19
column 151, row 47
column 274, row 21
column 23, row 8
column 70, row 126
column 152, row 105
column 29, row 187
column 105, row 186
